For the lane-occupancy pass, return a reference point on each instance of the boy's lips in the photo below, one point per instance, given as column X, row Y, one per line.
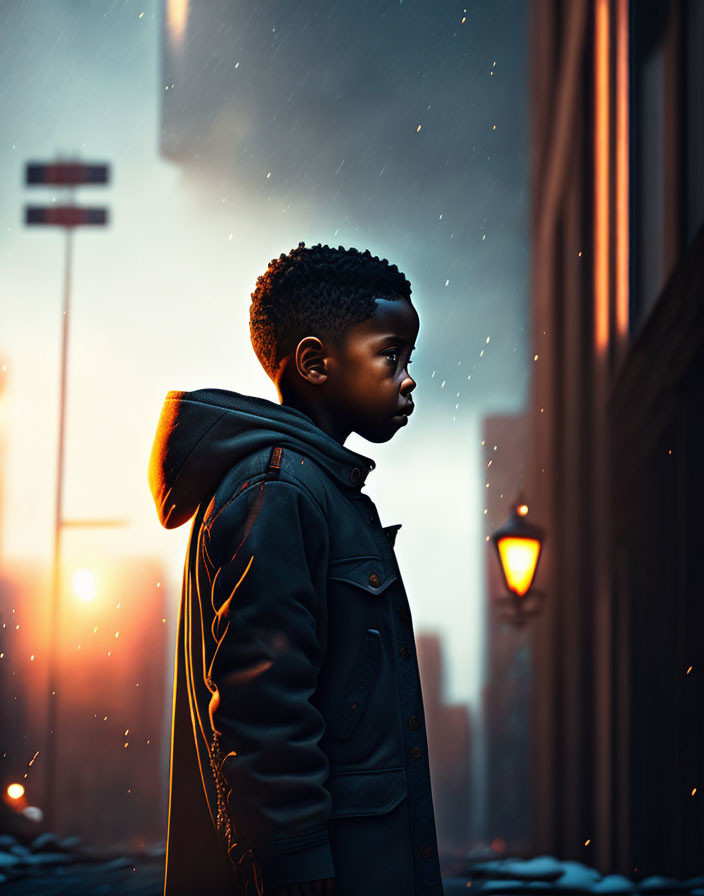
column 405, row 413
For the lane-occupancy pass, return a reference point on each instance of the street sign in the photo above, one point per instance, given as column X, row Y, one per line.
column 66, row 174
column 65, row 215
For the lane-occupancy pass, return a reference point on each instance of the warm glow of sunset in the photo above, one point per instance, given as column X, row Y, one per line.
column 84, row 585
column 519, row 557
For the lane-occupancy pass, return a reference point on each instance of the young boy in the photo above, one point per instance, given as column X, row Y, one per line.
column 299, row 761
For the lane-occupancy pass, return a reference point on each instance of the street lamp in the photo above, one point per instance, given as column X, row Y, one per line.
column 518, row 546
column 15, row 791
column 64, row 174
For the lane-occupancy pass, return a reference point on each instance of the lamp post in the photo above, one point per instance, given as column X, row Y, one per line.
column 66, row 175
column 518, row 546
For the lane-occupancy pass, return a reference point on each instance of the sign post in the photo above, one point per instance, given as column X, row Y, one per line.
column 65, row 175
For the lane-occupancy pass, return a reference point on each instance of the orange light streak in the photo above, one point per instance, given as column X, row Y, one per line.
column 601, row 175
column 176, row 20
column 622, row 152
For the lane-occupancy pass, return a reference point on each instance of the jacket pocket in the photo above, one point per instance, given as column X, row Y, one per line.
column 373, row 792
column 367, row 573
column 358, row 687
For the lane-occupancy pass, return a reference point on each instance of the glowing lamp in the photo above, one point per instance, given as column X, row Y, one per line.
column 519, row 559
column 518, row 546
column 15, row 791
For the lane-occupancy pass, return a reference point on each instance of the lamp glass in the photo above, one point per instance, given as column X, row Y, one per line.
column 519, row 557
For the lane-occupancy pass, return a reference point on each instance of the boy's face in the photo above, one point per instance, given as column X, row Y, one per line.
column 368, row 386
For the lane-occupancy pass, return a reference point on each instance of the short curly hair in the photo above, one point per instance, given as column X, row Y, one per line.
column 317, row 291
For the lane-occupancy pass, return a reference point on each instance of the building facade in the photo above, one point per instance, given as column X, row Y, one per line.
column 449, row 750
column 616, row 429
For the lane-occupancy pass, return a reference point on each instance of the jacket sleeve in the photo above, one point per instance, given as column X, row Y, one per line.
column 267, row 553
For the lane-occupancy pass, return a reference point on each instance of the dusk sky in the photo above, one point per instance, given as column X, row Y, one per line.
column 391, row 126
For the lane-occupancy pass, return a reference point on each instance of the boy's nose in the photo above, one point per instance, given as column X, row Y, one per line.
column 408, row 385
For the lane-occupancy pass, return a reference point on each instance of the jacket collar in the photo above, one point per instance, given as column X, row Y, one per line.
column 202, row 434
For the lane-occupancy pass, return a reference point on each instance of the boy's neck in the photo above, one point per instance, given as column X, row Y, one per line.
column 319, row 414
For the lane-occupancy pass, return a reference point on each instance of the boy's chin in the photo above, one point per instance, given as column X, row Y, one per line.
column 385, row 431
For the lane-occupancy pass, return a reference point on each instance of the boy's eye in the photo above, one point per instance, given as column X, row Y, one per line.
column 393, row 356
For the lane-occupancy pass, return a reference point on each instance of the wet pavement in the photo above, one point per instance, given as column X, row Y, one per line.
column 546, row 874
column 48, row 866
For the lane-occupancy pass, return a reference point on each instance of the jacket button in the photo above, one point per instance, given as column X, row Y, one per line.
column 374, row 580
column 416, row 752
column 425, row 851
column 404, row 653
column 413, row 723
column 355, row 475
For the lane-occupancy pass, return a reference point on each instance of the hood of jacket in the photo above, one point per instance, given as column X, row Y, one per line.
column 203, row 434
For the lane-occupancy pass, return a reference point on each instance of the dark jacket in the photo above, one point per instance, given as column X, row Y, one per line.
column 299, row 748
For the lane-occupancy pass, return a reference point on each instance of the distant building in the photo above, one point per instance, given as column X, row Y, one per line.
column 17, row 734
column 23, row 681
column 3, row 442
column 616, row 474
column 14, row 710
column 449, row 750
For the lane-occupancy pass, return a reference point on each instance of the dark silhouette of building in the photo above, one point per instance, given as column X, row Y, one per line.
column 449, row 750
column 23, row 680
column 15, row 711
column 3, row 441
column 618, row 389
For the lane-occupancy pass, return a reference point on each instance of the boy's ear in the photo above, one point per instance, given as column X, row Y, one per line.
column 311, row 360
